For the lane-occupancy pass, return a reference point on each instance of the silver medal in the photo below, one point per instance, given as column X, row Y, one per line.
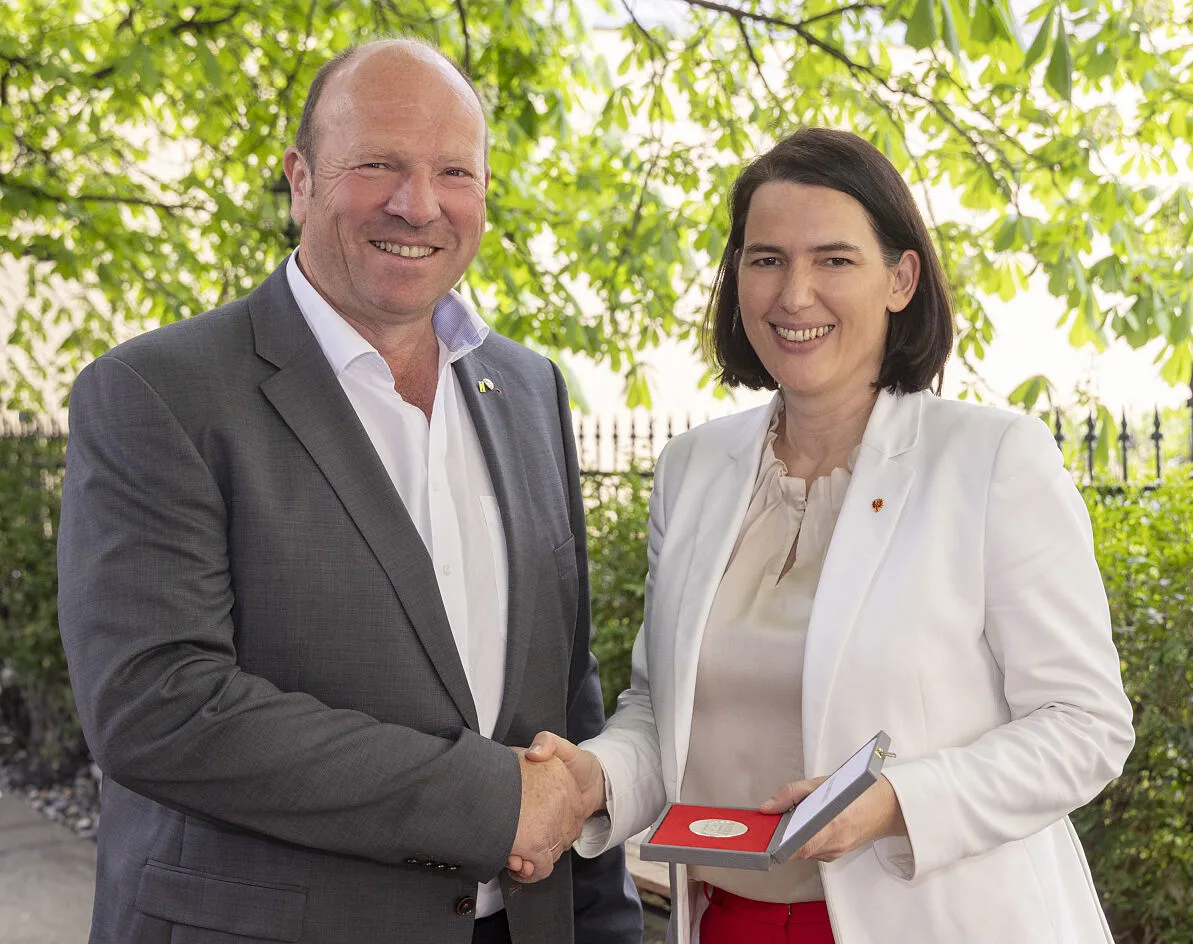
column 717, row 828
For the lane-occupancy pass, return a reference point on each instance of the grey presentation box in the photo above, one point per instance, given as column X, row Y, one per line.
column 789, row 832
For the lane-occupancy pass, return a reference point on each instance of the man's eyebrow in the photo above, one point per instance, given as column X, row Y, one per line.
column 764, row 247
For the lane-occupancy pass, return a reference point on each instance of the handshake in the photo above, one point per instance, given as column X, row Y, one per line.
column 561, row 787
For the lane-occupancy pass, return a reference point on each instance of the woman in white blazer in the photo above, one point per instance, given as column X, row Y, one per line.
column 953, row 600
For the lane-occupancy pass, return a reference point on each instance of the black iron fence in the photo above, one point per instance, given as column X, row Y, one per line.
column 1098, row 447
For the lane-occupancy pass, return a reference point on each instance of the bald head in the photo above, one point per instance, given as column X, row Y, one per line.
column 422, row 59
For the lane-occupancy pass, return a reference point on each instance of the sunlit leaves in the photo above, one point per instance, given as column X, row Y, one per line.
column 140, row 149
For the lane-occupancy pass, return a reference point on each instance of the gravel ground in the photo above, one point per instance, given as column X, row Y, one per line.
column 74, row 801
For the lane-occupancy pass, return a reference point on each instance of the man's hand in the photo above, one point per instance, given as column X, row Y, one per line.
column 582, row 765
column 550, row 819
column 873, row 815
column 588, row 777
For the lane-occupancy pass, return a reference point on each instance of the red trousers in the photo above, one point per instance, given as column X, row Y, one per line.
column 731, row 919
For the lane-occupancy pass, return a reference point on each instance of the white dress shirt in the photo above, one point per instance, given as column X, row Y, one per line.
column 441, row 476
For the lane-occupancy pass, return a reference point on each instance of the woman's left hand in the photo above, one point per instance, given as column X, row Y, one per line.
column 873, row 815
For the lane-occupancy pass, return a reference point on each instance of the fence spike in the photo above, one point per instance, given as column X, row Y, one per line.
column 1124, row 439
column 1090, row 439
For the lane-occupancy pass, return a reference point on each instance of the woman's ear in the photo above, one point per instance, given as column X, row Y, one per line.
column 905, row 278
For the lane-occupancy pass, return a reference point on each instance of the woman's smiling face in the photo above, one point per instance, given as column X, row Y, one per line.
column 815, row 291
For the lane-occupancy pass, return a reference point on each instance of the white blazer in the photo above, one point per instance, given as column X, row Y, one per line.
column 963, row 613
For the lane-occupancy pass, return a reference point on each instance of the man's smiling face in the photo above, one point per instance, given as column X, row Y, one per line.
column 393, row 211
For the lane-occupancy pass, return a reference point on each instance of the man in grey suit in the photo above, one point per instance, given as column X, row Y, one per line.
column 322, row 557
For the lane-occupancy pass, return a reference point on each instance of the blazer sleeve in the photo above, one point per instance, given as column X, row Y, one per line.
column 146, row 603
column 628, row 749
column 1048, row 627
column 605, row 902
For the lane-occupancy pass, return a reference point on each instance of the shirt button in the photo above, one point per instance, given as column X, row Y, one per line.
column 466, row 907
column 447, row 570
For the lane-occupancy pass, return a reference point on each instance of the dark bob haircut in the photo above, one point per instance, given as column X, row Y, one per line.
column 919, row 338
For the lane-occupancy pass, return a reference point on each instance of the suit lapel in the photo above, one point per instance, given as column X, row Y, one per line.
column 310, row 400
column 720, row 505
column 873, row 505
column 494, row 414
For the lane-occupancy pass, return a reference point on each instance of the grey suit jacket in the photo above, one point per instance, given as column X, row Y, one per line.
column 263, row 664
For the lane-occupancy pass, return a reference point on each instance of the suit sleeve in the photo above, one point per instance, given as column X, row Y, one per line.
column 146, row 612
column 1048, row 627
column 606, row 904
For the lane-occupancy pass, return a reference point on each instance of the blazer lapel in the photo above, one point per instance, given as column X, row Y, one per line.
column 873, row 504
column 494, row 414
column 310, row 400
column 722, row 500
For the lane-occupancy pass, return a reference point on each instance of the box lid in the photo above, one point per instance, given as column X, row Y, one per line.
column 840, row 788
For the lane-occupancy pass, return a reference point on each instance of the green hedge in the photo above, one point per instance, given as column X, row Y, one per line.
column 35, row 696
column 618, row 507
column 1139, row 832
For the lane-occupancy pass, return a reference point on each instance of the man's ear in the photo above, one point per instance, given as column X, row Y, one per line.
column 302, row 182
column 905, row 278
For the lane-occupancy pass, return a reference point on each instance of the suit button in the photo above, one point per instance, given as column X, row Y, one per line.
column 440, row 866
column 413, row 861
column 466, row 907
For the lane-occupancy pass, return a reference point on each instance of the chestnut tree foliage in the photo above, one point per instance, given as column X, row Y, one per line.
column 141, row 144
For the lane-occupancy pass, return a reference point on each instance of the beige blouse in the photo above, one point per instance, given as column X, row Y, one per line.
column 747, row 737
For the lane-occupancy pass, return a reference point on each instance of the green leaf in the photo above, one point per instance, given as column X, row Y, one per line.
column 1058, row 278
column 950, row 27
column 1028, row 392
column 921, row 28
column 1007, row 235
column 1178, row 366
column 1059, row 76
column 1040, row 44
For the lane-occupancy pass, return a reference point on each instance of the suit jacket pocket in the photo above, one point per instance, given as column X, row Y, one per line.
column 203, row 900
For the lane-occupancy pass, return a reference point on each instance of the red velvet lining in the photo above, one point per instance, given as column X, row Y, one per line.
column 673, row 831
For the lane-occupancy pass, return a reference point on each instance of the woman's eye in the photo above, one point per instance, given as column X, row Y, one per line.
column 766, row 261
column 839, row 262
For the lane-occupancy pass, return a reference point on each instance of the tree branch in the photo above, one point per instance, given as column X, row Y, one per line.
column 65, row 199
column 839, row 11
column 200, row 26
column 643, row 30
column 745, row 35
column 797, row 26
column 868, row 71
column 464, row 29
